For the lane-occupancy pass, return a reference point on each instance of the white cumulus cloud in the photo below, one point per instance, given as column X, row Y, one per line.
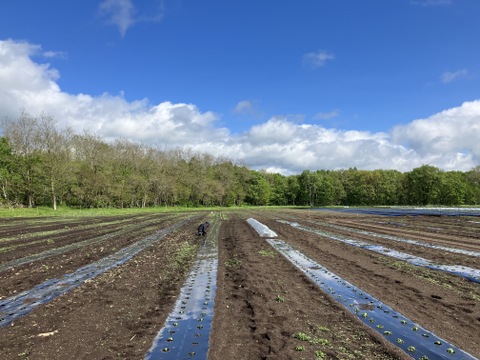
column 450, row 138
column 286, row 144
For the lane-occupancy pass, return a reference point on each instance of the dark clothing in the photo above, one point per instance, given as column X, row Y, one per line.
column 203, row 228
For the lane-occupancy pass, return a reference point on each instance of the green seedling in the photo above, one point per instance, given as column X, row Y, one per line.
column 411, row 349
column 320, row 341
column 299, row 348
column 267, row 253
column 302, row 336
column 280, row 299
column 234, row 262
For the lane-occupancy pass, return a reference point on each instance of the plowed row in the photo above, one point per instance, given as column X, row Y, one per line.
column 262, row 301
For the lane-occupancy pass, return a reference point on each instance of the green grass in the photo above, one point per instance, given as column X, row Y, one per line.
column 65, row 211
column 6, row 212
column 233, row 262
column 267, row 253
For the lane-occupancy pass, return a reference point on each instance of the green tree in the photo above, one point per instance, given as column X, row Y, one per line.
column 7, row 162
column 23, row 137
column 473, row 186
column 293, row 190
column 258, row 189
column 453, row 188
column 423, row 186
column 308, row 187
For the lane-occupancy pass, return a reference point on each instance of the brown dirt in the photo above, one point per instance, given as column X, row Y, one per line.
column 262, row 301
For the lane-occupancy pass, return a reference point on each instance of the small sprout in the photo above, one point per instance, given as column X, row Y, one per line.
column 302, row 336
column 411, row 348
column 380, row 326
column 280, row 298
column 175, row 324
column 165, row 350
column 299, row 348
column 365, row 315
column 320, row 341
column 425, row 335
column 323, row 328
column 403, row 322
column 386, row 332
column 423, row 357
column 399, row 341
column 438, row 342
column 170, row 339
column 415, row 328
column 200, row 326
column 450, row 351
column 372, row 320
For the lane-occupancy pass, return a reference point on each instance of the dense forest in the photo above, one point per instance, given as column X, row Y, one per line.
column 41, row 165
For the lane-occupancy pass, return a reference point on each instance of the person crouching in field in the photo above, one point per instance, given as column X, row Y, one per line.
column 203, row 229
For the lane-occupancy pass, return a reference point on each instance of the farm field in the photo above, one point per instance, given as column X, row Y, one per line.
column 264, row 307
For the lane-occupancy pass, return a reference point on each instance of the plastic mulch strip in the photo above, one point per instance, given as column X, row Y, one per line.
column 459, row 270
column 412, row 338
column 21, row 304
column 398, row 211
column 60, row 250
column 400, row 239
column 186, row 332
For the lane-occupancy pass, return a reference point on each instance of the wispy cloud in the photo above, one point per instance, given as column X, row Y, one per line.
column 431, row 2
column 119, row 13
column 244, row 106
column 123, row 14
column 55, row 54
column 327, row 116
column 317, row 59
column 448, row 76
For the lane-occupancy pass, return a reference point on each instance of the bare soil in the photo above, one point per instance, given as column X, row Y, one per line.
column 262, row 301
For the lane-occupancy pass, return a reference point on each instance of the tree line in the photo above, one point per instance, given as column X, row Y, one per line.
column 41, row 165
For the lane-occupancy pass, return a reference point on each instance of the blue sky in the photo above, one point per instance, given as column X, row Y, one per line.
column 279, row 85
